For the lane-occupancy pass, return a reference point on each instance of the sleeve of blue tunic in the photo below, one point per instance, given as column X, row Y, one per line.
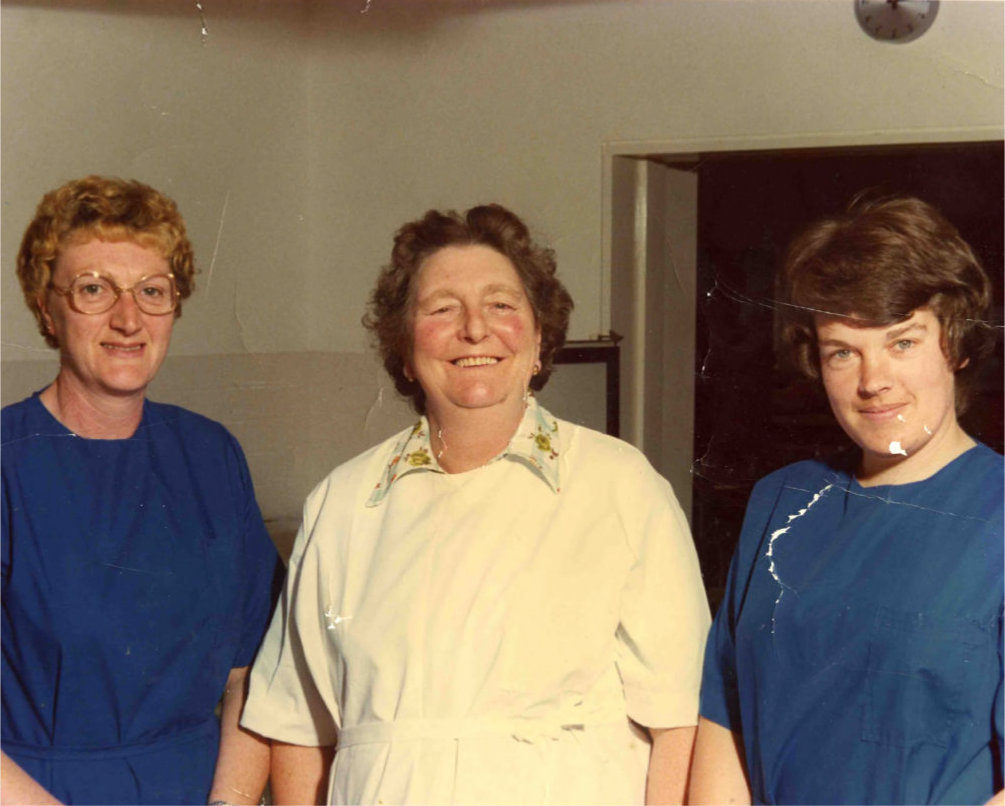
column 260, row 569
column 719, row 695
column 999, row 715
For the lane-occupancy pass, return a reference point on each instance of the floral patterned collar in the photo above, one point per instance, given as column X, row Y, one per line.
column 535, row 443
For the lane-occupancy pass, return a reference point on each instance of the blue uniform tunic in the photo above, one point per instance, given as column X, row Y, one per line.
column 136, row 574
column 858, row 649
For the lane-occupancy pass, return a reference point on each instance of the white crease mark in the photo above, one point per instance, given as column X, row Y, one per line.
column 676, row 274
column 241, row 329
column 668, row 247
column 703, row 372
column 771, row 549
column 372, row 410
column 38, row 436
column 897, row 449
column 216, row 246
column 700, row 462
column 125, row 568
column 773, row 304
column 927, row 430
column 981, row 79
column 204, row 30
column 334, row 619
column 890, row 501
column 961, row 68
column 696, row 471
column 33, row 348
column 138, row 434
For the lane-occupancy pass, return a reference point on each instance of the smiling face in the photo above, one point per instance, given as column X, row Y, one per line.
column 891, row 389
column 117, row 352
column 474, row 338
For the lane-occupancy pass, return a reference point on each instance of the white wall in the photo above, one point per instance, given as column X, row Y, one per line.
column 301, row 133
column 129, row 88
column 417, row 104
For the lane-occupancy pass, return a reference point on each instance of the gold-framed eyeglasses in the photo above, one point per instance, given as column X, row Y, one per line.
column 90, row 293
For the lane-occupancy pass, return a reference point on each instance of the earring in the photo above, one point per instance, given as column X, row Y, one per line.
column 537, row 368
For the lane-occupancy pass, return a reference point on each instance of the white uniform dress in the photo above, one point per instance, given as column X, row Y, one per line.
column 484, row 637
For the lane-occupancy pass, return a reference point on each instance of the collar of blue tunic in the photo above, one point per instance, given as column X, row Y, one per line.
column 535, row 444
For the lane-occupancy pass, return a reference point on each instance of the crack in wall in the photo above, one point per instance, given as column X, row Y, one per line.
column 216, row 246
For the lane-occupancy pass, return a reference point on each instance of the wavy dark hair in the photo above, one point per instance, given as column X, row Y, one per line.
column 389, row 312
column 109, row 209
column 879, row 261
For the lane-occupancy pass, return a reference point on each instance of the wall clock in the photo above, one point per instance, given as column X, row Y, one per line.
column 896, row 20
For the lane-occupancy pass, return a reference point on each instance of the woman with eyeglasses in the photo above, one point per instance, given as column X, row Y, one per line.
column 136, row 568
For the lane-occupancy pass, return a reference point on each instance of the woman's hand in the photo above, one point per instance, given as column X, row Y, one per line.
column 242, row 766
column 669, row 761
column 19, row 787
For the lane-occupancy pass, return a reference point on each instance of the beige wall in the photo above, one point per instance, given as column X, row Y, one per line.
column 128, row 88
column 299, row 134
column 433, row 103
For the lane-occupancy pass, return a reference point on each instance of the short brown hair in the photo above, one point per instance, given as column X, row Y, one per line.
column 389, row 313
column 879, row 261
column 109, row 209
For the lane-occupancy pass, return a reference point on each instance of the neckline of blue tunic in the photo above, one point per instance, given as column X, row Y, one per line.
column 36, row 402
column 907, row 486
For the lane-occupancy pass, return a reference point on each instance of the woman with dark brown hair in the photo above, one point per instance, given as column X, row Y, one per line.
column 857, row 656
column 486, row 607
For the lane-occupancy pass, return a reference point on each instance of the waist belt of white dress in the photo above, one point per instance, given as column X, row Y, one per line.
column 528, row 730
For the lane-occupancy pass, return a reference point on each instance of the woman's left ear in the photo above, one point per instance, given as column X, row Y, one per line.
column 46, row 317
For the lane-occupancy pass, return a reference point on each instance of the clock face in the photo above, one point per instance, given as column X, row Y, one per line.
column 896, row 20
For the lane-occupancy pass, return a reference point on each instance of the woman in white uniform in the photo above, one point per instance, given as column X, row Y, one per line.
column 494, row 606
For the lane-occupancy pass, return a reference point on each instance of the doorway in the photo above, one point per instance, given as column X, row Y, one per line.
column 749, row 414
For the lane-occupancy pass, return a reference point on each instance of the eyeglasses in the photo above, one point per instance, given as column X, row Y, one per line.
column 90, row 293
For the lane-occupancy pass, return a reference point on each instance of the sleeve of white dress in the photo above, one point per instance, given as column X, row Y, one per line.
column 284, row 701
column 664, row 612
